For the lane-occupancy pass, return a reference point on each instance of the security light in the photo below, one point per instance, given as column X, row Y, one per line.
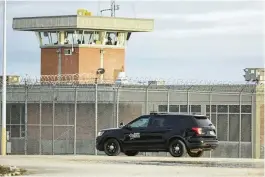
column 100, row 71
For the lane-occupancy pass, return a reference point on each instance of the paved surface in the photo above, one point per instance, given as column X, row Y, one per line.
column 121, row 166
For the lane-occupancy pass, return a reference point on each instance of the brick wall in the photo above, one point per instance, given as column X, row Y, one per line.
column 84, row 61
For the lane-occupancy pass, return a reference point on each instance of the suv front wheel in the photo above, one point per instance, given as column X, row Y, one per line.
column 112, row 147
column 195, row 154
column 177, row 148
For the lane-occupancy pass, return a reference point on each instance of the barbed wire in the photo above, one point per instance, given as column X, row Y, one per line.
column 86, row 79
column 90, row 78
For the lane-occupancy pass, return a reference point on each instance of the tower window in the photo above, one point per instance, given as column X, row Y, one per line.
column 67, row 52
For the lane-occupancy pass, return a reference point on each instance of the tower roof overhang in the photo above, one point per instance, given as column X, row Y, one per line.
column 66, row 22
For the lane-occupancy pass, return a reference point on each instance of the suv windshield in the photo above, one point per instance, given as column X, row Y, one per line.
column 140, row 123
column 202, row 121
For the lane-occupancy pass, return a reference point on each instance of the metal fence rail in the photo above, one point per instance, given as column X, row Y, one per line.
column 65, row 119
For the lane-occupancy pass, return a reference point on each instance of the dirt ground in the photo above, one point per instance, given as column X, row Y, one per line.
column 121, row 166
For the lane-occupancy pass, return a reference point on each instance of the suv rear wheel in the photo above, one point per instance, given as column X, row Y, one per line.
column 177, row 148
column 112, row 147
column 195, row 154
column 131, row 153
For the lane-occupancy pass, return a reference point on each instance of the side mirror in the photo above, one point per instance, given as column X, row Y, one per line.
column 127, row 127
column 121, row 125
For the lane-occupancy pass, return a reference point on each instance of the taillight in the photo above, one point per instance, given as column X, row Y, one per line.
column 197, row 130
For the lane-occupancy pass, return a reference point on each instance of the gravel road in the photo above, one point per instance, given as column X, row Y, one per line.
column 121, row 166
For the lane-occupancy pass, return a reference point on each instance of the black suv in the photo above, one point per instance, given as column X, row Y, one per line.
column 177, row 134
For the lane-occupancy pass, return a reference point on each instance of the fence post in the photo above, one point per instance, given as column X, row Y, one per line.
column 210, row 105
column 76, row 95
column 188, row 101
column 146, row 98
column 26, row 120
column 168, row 95
column 117, row 106
column 96, row 115
column 168, row 105
column 240, row 119
column 40, row 137
column 146, row 101
column 114, row 108
column 228, row 124
column 53, row 116
column 252, row 125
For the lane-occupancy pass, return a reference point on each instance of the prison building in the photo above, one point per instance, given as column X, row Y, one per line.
column 60, row 118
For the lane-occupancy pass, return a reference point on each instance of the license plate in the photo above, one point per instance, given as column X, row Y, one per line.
column 211, row 132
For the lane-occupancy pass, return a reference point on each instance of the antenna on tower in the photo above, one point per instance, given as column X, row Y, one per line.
column 113, row 8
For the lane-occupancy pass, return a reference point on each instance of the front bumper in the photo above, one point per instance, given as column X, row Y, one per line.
column 99, row 143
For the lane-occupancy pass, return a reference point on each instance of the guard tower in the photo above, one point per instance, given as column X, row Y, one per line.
column 73, row 47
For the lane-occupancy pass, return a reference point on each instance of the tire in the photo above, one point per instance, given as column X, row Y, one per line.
column 195, row 154
column 131, row 153
column 177, row 152
column 112, row 147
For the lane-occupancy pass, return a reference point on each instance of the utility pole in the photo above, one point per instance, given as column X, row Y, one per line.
column 3, row 142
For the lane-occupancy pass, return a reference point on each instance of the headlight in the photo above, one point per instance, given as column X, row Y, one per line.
column 100, row 133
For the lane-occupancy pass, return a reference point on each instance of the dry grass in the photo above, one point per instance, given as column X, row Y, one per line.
column 11, row 171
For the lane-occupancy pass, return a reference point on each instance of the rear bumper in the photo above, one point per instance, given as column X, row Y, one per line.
column 201, row 144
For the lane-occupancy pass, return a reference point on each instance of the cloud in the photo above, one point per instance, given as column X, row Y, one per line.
column 221, row 16
column 208, row 17
column 238, row 22
column 216, row 30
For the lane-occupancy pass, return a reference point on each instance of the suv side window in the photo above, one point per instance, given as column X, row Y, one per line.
column 158, row 122
column 140, row 123
column 173, row 121
column 179, row 121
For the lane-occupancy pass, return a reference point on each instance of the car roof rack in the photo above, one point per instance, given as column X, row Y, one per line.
column 157, row 113
column 170, row 113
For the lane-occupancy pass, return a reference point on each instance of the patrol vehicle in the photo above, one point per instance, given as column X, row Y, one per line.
column 178, row 134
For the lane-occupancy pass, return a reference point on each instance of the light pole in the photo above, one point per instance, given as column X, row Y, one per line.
column 99, row 72
column 3, row 143
column 113, row 8
column 101, row 64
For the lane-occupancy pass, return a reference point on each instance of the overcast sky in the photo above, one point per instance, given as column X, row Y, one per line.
column 192, row 40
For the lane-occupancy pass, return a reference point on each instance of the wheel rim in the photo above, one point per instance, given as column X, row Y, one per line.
column 176, row 149
column 111, row 147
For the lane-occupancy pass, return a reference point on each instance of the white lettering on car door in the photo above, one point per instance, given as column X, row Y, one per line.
column 134, row 135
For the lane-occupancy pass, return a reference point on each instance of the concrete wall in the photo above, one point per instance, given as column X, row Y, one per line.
column 261, row 91
column 259, row 123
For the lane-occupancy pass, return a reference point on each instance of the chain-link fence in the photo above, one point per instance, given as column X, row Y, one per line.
column 60, row 119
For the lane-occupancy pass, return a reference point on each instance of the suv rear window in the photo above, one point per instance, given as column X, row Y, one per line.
column 202, row 121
